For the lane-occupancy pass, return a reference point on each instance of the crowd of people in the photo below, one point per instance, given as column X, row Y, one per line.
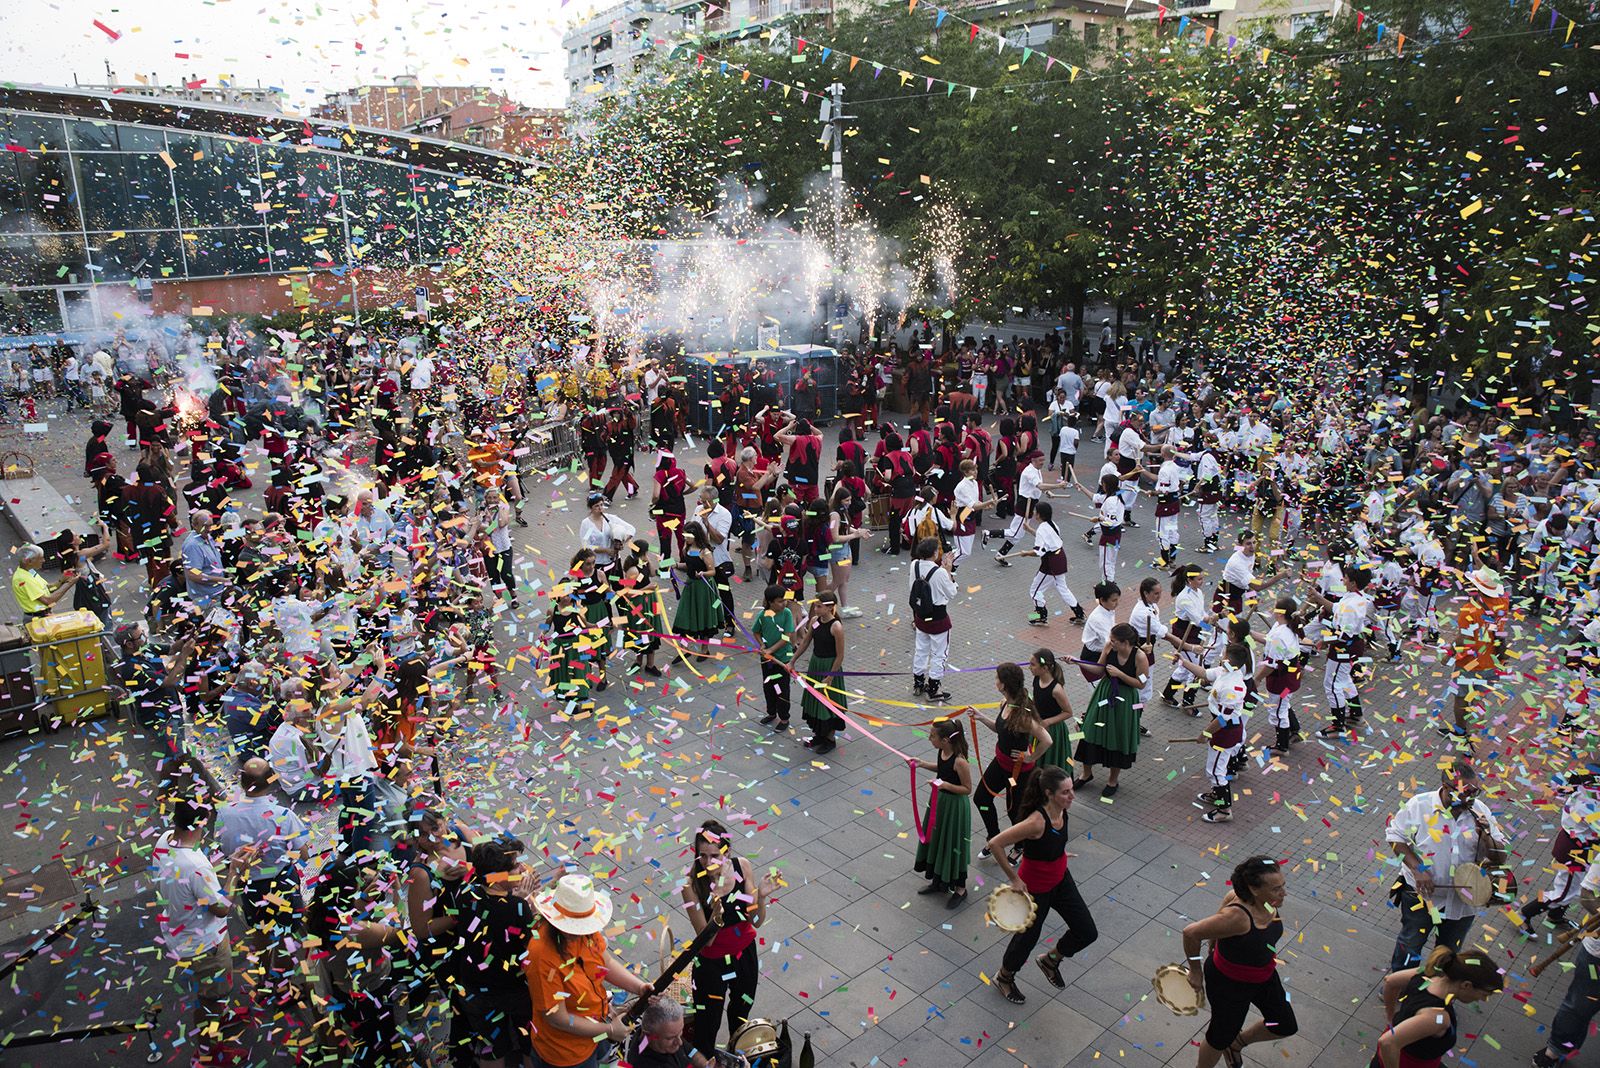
column 332, row 612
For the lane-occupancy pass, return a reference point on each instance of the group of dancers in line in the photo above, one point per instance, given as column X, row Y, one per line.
column 1380, row 581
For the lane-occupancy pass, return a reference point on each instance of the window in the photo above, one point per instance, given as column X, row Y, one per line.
column 226, row 250
column 217, row 181
column 31, row 311
column 381, row 212
column 36, row 193
column 93, row 136
column 1091, row 34
column 125, row 191
column 33, row 132
column 1314, row 26
column 43, row 260
column 147, row 255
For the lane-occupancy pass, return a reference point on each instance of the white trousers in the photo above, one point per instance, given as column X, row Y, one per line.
column 1108, row 562
column 929, row 654
column 1279, row 708
column 1210, row 520
column 960, row 549
column 1041, row 585
column 1167, row 531
column 1024, row 511
column 1338, row 684
column 1217, row 764
column 1564, row 890
column 1129, row 492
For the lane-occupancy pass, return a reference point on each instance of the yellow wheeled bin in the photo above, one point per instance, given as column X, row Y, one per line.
column 72, row 666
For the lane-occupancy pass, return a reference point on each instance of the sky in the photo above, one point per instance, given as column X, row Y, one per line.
column 305, row 47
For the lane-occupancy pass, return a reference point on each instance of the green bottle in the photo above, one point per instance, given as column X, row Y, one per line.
column 807, row 1058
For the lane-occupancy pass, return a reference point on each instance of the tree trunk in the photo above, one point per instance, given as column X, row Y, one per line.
column 1079, row 341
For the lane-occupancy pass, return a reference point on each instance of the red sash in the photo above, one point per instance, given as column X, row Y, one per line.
column 1242, row 973
column 1042, row 876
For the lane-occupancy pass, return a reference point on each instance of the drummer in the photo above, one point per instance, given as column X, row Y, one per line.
column 1431, row 834
column 1242, row 968
column 659, row 1042
column 1043, row 875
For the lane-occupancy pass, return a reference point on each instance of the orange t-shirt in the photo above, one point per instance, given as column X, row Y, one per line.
column 1481, row 622
column 573, row 979
column 486, row 458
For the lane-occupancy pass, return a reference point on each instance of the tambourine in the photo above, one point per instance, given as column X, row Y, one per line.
column 1011, row 910
column 1174, row 990
column 757, row 1038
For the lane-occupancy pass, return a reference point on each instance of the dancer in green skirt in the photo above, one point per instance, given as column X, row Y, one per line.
column 942, row 857
column 1054, row 707
column 1111, row 722
column 824, row 636
column 699, row 612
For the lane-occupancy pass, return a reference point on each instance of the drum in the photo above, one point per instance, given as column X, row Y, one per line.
column 1010, row 909
column 1473, row 883
column 1174, row 990
column 757, row 1043
column 1505, row 886
column 878, row 511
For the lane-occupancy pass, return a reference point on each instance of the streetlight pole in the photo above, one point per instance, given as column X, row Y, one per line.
column 835, row 124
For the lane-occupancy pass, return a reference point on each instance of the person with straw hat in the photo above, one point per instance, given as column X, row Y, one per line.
column 1479, row 646
column 568, row 966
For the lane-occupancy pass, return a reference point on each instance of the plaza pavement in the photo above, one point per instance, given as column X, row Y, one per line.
column 877, row 974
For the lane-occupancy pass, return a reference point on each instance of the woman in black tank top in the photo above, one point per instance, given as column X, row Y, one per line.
column 1043, row 874
column 1420, row 1006
column 1020, row 738
column 1242, row 969
column 1054, row 707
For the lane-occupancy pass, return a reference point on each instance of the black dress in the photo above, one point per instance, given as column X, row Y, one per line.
column 1424, row 1052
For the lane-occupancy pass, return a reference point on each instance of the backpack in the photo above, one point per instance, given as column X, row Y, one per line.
column 921, row 592
column 788, row 563
column 725, row 475
column 926, row 527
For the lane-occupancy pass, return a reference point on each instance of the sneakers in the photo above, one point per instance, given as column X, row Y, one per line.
column 1002, row 563
column 1542, row 1059
column 850, row 611
column 769, row 718
column 919, row 684
column 780, row 726
column 1218, row 815
column 936, row 692
column 1038, row 618
column 1077, row 614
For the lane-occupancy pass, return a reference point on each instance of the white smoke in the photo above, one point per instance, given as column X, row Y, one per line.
column 127, row 317
column 741, row 269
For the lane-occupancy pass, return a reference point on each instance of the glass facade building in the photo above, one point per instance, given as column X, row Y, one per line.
column 178, row 192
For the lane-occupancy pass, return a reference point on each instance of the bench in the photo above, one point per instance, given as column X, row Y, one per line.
column 39, row 514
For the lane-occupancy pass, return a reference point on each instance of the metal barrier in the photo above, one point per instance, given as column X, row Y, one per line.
column 146, row 1022
column 551, row 445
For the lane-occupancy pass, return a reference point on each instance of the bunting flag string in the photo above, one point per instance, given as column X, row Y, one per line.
column 831, row 50
column 1184, row 32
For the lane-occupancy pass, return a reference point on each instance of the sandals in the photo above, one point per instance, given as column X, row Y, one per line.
column 1232, row 1055
column 1008, row 990
column 1050, row 964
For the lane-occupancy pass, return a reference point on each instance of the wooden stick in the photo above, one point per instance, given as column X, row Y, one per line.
column 1568, row 939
